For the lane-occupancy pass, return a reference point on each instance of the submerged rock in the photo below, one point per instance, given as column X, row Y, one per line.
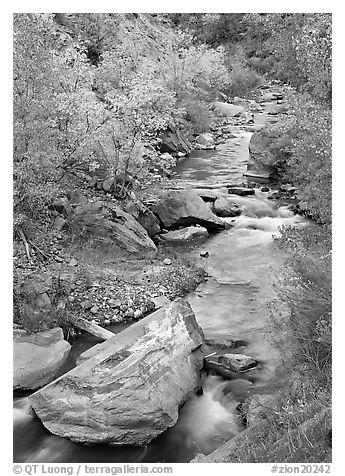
column 37, row 357
column 128, row 389
column 183, row 207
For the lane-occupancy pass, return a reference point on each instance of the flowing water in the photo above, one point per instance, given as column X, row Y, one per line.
column 233, row 302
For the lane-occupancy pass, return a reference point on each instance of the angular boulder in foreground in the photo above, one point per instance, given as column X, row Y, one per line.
column 184, row 207
column 129, row 388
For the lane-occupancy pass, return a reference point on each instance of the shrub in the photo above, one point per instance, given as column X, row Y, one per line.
column 243, row 81
column 261, row 65
column 198, row 116
column 310, row 165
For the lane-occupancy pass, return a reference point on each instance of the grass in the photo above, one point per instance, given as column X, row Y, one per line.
column 293, row 427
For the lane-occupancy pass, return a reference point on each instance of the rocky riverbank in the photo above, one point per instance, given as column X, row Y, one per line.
column 107, row 260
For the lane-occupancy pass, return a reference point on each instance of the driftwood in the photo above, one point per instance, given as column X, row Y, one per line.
column 90, row 327
column 26, row 245
column 38, row 249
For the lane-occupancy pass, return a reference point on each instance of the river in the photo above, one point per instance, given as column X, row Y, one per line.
column 234, row 301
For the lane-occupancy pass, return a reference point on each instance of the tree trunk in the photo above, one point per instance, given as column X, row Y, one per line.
column 90, row 327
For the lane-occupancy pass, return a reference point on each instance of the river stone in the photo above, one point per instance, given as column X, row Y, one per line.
column 241, row 191
column 237, row 362
column 184, row 235
column 130, row 387
column 206, row 140
column 110, row 230
column 226, row 208
column 37, row 357
column 223, row 342
column 228, row 110
column 223, row 370
column 183, row 207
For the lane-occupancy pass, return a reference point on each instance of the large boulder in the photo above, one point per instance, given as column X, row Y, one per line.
column 109, row 229
column 184, row 207
column 128, row 389
column 184, row 235
column 269, row 149
column 224, row 207
column 37, row 357
column 144, row 216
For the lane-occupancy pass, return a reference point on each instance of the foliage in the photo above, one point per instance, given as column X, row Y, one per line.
column 55, row 113
column 299, row 151
column 297, row 46
column 293, row 426
column 310, row 165
column 76, row 112
column 211, row 28
column 243, row 81
column 195, row 69
column 198, row 115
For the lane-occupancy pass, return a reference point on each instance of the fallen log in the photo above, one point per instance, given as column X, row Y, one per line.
column 90, row 327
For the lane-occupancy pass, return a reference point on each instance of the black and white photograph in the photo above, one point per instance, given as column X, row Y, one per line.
column 172, row 240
